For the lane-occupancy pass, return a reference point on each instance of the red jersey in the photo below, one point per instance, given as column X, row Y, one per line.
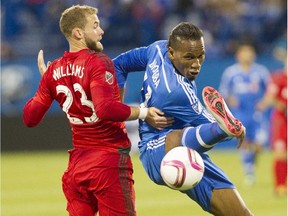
column 278, row 88
column 85, row 86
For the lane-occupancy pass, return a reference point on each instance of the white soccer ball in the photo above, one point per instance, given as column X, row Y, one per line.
column 182, row 168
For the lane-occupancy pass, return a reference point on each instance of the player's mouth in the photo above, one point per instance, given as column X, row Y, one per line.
column 194, row 73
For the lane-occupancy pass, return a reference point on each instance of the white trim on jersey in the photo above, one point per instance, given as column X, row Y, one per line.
column 208, row 115
column 163, row 68
column 185, row 86
column 156, row 143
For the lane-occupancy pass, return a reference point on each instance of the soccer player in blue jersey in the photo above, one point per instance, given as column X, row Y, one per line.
column 171, row 67
column 243, row 85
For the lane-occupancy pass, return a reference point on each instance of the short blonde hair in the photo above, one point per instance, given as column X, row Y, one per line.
column 75, row 17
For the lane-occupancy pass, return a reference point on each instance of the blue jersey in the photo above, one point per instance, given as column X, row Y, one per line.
column 247, row 87
column 163, row 87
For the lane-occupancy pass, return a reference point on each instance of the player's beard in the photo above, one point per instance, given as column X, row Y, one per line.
column 94, row 45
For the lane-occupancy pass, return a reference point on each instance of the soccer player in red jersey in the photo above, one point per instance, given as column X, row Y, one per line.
column 276, row 97
column 99, row 175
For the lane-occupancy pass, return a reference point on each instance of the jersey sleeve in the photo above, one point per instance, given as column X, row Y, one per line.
column 35, row 109
column 105, row 92
column 33, row 112
column 131, row 61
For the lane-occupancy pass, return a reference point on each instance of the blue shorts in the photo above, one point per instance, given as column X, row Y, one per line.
column 151, row 155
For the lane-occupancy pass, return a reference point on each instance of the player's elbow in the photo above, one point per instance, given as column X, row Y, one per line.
column 33, row 113
column 29, row 123
column 28, row 120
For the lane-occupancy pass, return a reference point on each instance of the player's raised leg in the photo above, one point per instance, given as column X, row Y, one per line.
column 201, row 138
column 216, row 105
column 205, row 136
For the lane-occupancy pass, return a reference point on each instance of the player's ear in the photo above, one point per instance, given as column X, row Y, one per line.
column 171, row 53
column 77, row 33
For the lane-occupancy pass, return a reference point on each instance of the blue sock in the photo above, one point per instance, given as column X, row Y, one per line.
column 203, row 137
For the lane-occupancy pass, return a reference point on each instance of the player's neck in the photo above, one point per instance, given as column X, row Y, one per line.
column 76, row 46
column 245, row 67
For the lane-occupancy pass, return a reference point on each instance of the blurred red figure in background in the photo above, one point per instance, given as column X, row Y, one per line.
column 276, row 97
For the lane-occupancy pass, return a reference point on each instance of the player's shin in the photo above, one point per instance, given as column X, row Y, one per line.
column 202, row 138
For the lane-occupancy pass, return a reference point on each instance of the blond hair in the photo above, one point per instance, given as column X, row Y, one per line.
column 75, row 17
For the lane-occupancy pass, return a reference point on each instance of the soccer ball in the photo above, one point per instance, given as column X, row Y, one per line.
column 182, row 168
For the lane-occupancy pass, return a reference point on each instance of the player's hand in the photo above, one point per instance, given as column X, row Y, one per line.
column 156, row 119
column 41, row 63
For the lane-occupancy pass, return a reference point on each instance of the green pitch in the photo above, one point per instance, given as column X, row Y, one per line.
column 31, row 186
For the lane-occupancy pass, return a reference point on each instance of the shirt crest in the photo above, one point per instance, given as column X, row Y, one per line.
column 109, row 77
column 197, row 107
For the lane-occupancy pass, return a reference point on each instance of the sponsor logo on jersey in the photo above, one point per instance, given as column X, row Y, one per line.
column 155, row 73
column 109, row 77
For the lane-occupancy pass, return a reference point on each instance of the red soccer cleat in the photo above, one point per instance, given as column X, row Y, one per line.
column 216, row 105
